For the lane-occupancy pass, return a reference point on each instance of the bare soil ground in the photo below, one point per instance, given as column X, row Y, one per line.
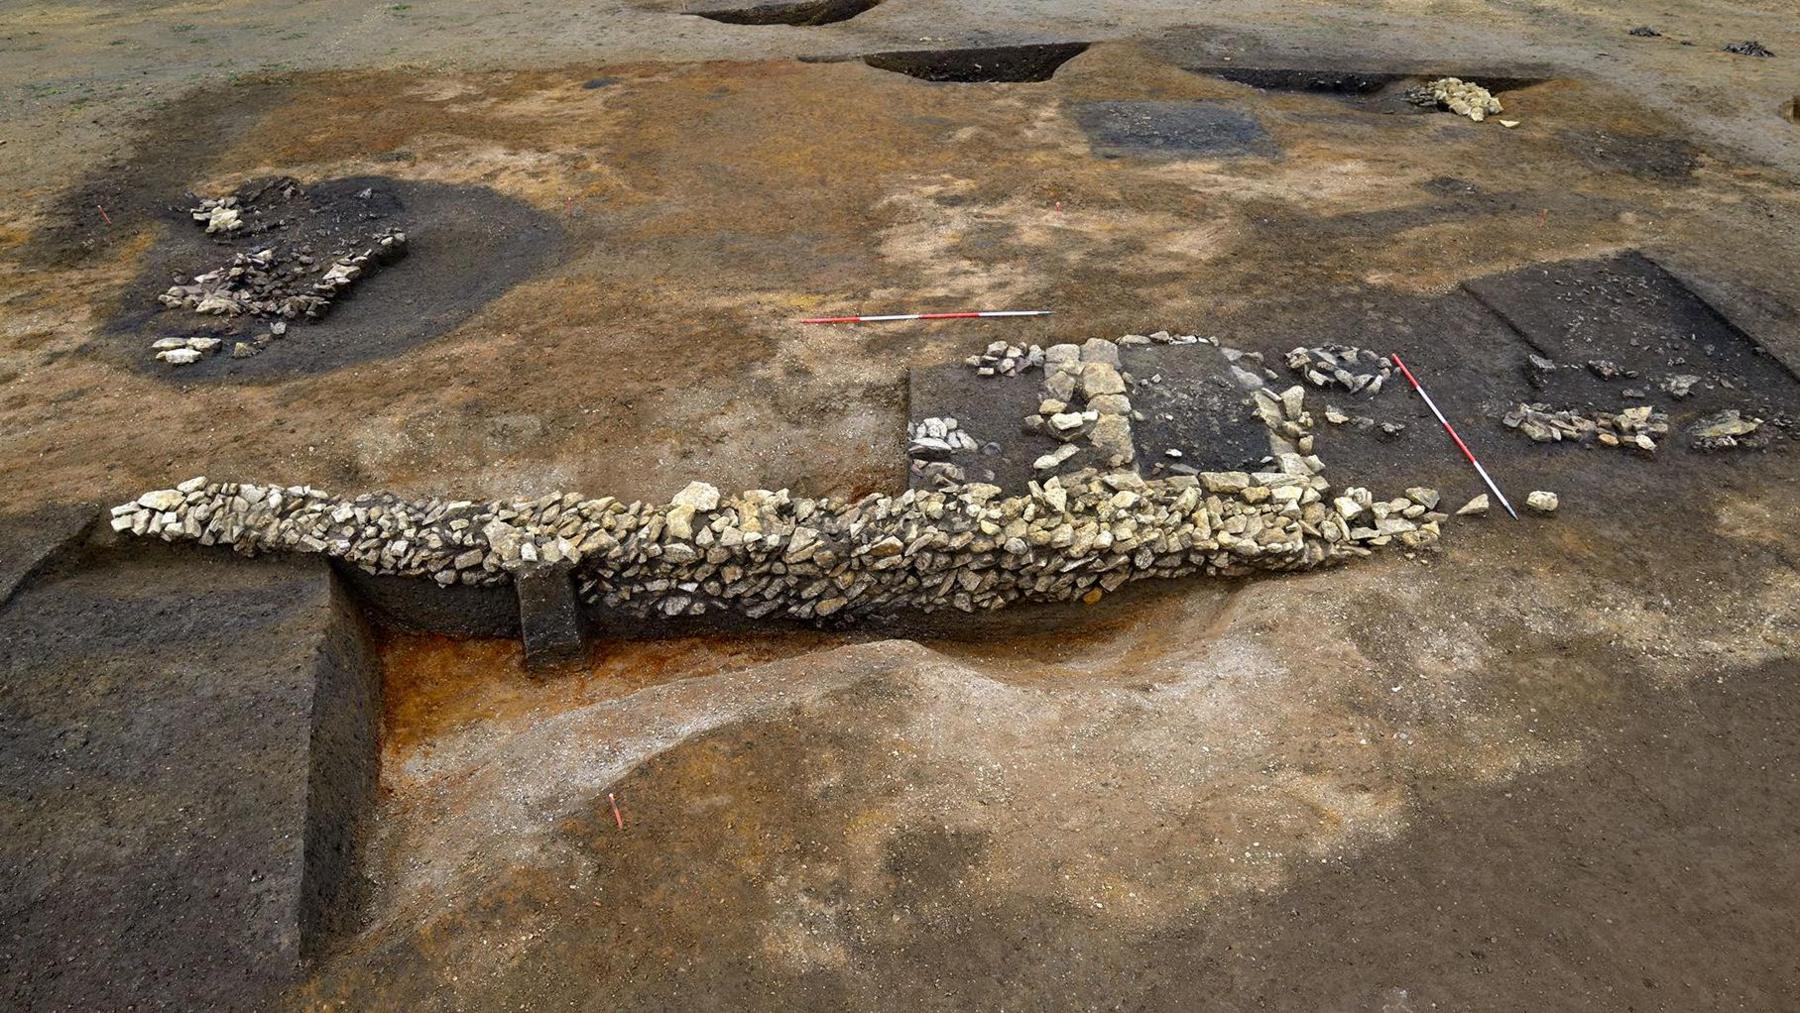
column 1548, row 767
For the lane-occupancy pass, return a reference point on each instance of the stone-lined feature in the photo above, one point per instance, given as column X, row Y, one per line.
column 284, row 282
column 770, row 553
column 1002, row 359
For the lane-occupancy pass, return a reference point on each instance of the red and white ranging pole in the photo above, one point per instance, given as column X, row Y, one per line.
column 1448, row 428
column 890, row 317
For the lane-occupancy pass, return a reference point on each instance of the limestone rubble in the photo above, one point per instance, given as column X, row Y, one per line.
column 763, row 553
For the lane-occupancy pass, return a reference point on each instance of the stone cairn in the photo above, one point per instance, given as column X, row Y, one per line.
column 765, row 553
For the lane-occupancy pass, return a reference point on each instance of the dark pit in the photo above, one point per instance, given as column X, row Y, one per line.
column 998, row 64
column 804, row 14
column 1375, row 90
column 467, row 245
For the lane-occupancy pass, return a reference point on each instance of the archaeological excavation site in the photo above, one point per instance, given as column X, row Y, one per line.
column 900, row 505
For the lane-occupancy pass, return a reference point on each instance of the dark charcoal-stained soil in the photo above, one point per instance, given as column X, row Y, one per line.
column 1475, row 364
column 466, row 246
column 35, row 539
column 1214, row 427
column 1178, row 129
column 1653, row 157
column 992, row 409
column 799, row 13
column 1630, row 313
column 1004, row 64
column 187, row 751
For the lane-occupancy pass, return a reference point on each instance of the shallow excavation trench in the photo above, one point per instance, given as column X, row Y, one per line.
column 1078, row 531
column 994, row 64
column 804, row 14
column 1376, row 90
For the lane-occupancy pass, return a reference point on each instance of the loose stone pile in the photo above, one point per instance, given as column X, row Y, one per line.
column 765, row 553
column 1464, row 98
column 1724, row 430
column 1357, row 370
column 936, row 439
column 1635, row 428
column 184, row 351
column 1748, row 47
column 218, row 214
column 931, row 443
column 1002, row 359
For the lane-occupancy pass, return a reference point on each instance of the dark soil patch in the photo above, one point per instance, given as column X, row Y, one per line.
column 1647, row 156
column 188, row 751
column 1179, row 129
column 1627, row 312
column 992, row 409
column 34, row 540
column 135, row 191
column 1214, row 425
column 804, row 13
column 467, row 245
column 1001, row 64
column 1331, row 82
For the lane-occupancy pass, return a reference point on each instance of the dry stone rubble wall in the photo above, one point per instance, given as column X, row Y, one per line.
column 770, row 553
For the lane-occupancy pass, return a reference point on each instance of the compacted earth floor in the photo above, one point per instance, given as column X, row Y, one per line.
column 1550, row 765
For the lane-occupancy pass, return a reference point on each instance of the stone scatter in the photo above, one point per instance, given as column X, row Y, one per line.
column 1002, row 359
column 291, row 252
column 284, row 282
column 1356, row 370
column 770, row 553
column 936, row 439
column 1637, row 428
